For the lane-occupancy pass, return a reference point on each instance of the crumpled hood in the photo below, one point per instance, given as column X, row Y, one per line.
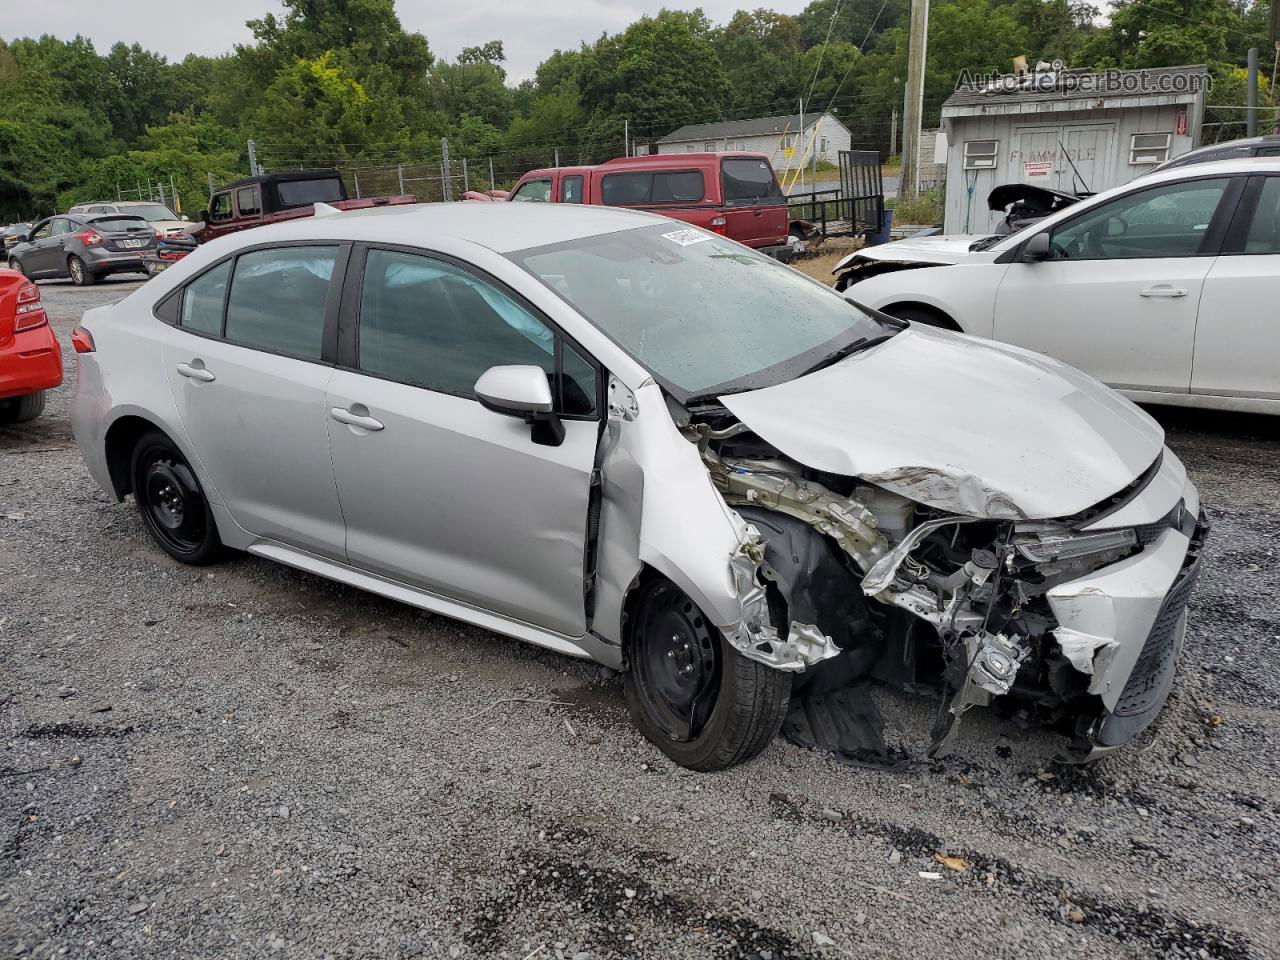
column 943, row 248
column 969, row 426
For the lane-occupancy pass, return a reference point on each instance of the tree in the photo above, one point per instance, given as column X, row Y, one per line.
column 137, row 92
column 659, row 73
column 317, row 112
column 760, row 53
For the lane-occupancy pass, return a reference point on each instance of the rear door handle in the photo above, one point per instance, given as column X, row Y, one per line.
column 194, row 372
column 352, row 417
column 1163, row 290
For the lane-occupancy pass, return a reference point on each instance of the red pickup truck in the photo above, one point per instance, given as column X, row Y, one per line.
column 734, row 194
column 273, row 197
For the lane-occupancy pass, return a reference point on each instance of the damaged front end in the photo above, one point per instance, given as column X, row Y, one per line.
column 1076, row 622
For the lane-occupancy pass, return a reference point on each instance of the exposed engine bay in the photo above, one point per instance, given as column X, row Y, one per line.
column 845, row 582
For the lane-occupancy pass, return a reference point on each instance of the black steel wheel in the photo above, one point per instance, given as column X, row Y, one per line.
column 172, row 503
column 692, row 694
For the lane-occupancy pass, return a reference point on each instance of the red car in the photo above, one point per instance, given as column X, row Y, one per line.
column 30, row 358
column 734, row 194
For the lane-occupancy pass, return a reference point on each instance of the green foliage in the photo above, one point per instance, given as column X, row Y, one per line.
column 331, row 82
column 658, row 73
column 924, row 208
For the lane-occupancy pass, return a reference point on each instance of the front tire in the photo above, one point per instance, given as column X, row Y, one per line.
column 692, row 695
column 81, row 275
column 22, row 409
column 172, row 502
column 16, row 264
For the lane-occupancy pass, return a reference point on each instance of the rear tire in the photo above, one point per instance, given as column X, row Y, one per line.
column 172, row 502
column 22, row 409
column 81, row 275
column 925, row 316
column 692, row 695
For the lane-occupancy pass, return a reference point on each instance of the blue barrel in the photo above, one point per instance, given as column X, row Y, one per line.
column 875, row 237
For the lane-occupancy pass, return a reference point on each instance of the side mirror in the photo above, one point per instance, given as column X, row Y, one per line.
column 186, row 218
column 24, row 238
column 202, row 216
column 522, row 391
column 1036, row 248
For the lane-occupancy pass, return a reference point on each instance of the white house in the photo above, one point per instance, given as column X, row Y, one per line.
column 1079, row 131
column 784, row 139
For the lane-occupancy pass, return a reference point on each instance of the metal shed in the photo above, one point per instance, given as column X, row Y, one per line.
column 1073, row 130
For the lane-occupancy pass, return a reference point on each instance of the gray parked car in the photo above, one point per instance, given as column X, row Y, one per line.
column 625, row 438
column 84, row 248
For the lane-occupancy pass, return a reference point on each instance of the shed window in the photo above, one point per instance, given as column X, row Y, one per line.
column 980, row 154
column 709, row 147
column 1147, row 148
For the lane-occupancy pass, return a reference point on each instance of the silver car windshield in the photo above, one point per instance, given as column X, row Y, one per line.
column 706, row 315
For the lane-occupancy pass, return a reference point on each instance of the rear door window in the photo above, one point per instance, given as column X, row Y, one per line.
column 571, row 190
column 1264, row 232
column 277, row 300
column 747, row 182
column 248, row 202
column 203, row 299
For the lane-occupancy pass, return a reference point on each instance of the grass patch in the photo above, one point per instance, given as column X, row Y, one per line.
column 925, row 208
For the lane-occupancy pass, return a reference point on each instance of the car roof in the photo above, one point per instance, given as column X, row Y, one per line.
column 656, row 161
column 500, row 227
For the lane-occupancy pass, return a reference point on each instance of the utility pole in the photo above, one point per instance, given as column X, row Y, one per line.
column 1251, row 124
column 400, row 177
column 557, row 158
column 492, row 183
column 466, row 182
column 446, row 174
column 913, row 107
column 801, row 142
column 253, row 158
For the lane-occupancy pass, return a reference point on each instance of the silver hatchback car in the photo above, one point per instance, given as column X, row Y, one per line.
column 627, row 439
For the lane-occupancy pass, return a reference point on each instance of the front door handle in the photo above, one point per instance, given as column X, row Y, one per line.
column 1163, row 290
column 195, row 370
column 355, row 418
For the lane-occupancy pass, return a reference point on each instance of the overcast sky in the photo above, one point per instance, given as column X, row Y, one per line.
column 174, row 28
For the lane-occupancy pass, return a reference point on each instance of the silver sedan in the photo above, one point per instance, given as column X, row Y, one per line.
column 627, row 439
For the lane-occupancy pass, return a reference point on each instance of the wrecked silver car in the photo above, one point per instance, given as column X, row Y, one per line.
column 639, row 442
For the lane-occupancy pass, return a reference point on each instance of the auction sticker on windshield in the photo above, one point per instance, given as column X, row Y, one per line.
column 685, row 237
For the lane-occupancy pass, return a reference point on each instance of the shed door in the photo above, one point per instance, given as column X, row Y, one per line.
column 1034, row 158
column 1091, row 149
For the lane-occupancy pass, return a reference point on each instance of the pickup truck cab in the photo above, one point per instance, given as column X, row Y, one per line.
column 274, row 197
column 733, row 194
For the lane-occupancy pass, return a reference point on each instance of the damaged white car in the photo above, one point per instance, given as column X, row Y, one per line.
column 627, row 439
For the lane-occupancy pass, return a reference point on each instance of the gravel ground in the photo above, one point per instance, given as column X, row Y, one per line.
column 247, row 761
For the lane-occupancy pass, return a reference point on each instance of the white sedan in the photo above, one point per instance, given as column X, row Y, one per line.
column 1163, row 288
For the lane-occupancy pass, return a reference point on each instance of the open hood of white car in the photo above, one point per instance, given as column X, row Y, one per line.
column 972, row 427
